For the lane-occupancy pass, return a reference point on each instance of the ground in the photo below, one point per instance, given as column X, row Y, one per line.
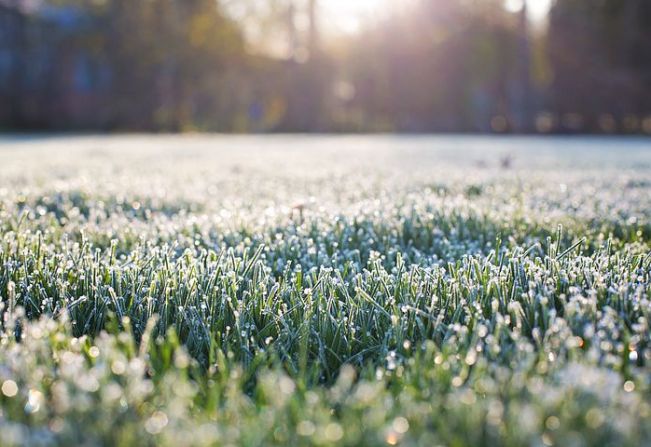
column 325, row 291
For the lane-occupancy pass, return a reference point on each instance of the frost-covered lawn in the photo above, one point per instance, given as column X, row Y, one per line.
column 329, row 291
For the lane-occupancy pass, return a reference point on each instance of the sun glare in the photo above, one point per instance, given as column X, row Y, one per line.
column 536, row 9
column 349, row 15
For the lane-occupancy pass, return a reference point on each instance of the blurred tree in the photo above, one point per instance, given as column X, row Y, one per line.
column 309, row 72
column 440, row 66
column 253, row 65
column 600, row 51
column 172, row 56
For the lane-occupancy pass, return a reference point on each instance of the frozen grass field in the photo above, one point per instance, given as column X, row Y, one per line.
column 256, row 291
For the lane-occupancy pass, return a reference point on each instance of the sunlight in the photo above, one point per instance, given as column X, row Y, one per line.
column 537, row 10
column 348, row 16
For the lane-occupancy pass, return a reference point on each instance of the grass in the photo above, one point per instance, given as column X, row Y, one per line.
column 173, row 293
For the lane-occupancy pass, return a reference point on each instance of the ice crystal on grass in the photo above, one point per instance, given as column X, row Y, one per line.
column 412, row 301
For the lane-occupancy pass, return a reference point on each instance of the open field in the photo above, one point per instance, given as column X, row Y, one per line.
column 325, row 291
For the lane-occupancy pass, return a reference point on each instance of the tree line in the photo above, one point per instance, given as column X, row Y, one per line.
column 437, row 65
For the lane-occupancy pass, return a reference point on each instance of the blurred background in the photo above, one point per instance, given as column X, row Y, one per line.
column 488, row 66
